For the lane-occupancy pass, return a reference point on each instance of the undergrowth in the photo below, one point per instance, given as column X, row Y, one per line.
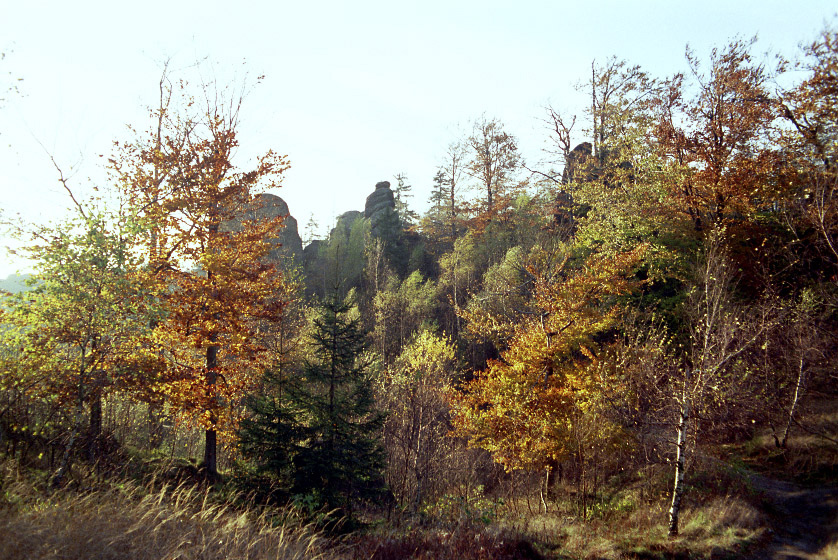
column 128, row 521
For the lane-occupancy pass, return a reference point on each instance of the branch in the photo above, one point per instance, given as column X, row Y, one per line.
column 545, row 175
column 813, row 432
column 64, row 180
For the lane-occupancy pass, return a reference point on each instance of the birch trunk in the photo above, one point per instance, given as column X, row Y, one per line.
column 680, row 464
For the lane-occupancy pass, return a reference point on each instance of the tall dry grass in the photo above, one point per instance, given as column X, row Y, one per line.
column 129, row 522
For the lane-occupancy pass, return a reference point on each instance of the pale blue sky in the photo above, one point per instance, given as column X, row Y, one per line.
column 354, row 92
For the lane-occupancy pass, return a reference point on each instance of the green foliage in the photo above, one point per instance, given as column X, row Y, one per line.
column 413, row 391
column 470, row 506
column 401, row 309
column 339, row 456
column 269, row 437
column 79, row 333
column 344, row 255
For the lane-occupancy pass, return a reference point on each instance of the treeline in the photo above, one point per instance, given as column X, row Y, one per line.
column 666, row 285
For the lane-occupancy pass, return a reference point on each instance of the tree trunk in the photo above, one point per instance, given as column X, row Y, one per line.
column 58, row 477
column 544, row 489
column 95, row 428
column 680, row 464
column 210, row 441
column 801, row 380
column 210, row 447
column 155, row 425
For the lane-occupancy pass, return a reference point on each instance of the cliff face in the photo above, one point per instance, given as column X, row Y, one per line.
column 287, row 243
column 344, row 223
column 380, row 208
column 347, row 258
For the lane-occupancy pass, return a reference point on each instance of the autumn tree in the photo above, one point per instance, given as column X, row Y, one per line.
column 493, row 161
column 716, row 137
column 520, row 408
column 210, row 266
column 81, row 332
column 810, row 146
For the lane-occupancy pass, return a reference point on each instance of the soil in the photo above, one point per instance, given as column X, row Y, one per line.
column 803, row 521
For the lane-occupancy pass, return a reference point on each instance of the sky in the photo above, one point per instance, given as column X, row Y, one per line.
column 354, row 92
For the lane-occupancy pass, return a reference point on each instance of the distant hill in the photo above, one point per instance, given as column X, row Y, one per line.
column 15, row 283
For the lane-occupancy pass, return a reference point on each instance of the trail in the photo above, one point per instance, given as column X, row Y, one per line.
column 804, row 521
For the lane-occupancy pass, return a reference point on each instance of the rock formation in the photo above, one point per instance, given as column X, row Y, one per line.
column 287, row 243
column 380, row 208
column 344, row 223
column 577, row 162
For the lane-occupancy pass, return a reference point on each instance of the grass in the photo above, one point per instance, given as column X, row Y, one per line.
column 725, row 525
column 811, row 453
column 133, row 522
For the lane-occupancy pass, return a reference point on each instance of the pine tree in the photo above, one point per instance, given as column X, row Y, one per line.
column 341, row 459
column 270, row 436
column 402, row 195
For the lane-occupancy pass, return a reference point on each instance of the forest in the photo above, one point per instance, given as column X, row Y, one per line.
column 624, row 350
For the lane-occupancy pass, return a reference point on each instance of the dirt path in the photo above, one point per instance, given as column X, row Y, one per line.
column 804, row 521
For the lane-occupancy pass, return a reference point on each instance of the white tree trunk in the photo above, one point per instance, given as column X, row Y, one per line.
column 680, row 464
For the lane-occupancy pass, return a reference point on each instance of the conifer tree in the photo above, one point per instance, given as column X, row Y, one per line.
column 341, row 459
column 402, row 194
column 270, row 436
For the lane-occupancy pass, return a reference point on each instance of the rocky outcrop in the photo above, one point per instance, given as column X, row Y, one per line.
column 577, row 163
column 344, row 223
column 383, row 223
column 380, row 208
column 287, row 244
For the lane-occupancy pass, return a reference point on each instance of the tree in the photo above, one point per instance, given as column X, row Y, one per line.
column 311, row 231
column 521, row 407
column 719, row 335
column 340, row 459
column 493, row 161
column 717, row 139
column 620, row 97
column 794, row 356
column 82, row 331
column 344, row 254
column 402, row 195
column 210, row 267
column 271, row 432
column 811, row 144
column 413, row 392
column 444, row 222
column 400, row 310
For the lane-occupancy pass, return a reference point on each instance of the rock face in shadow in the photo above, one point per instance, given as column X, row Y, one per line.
column 347, row 263
column 576, row 166
column 287, row 244
column 344, row 223
column 380, row 209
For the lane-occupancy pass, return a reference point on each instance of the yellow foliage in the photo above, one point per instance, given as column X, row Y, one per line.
column 522, row 407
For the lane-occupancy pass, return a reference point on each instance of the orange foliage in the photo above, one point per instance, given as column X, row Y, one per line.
column 209, row 262
column 521, row 408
